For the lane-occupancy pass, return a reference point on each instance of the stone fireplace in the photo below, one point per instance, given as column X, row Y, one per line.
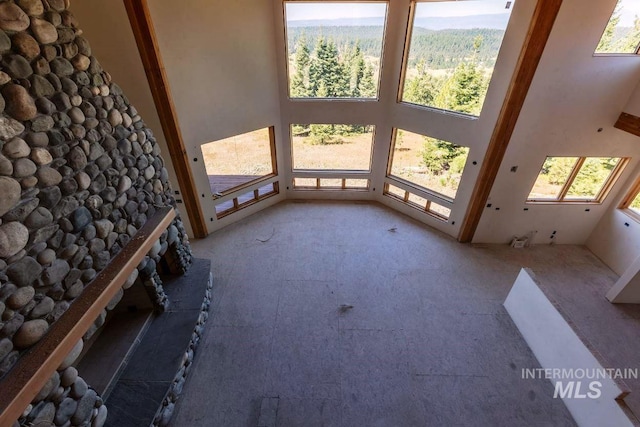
column 80, row 174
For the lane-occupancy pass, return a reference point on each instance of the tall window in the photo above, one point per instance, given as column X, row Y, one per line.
column 452, row 50
column 622, row 33
column 334, row 49
column 576, row 179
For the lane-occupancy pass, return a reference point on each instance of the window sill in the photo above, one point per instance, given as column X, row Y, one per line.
column 563, row 202
column 440, row 110
column 631, row 214
column 615, row 55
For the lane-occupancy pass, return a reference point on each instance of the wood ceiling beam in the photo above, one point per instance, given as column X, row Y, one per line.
column 142, row 26
column 628, row 123
column 540, row 28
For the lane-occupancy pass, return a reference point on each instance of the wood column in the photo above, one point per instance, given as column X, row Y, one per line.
column 540, row 28
column 142, row 26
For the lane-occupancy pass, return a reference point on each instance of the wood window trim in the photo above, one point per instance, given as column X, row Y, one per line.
column 437, row 198
column 319, row 187
column 405, row 200
column 631, row 195
column 625, row 204
column 603, row 192
column 613, row 178
column 572, row 176
column 432, row 193
column 257, row 197
column 240, row 188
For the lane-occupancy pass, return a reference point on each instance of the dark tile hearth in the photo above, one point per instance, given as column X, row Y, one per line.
column 150, row 373
column 135, row 403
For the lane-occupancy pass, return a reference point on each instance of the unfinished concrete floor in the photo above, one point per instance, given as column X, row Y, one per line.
column 427, row 342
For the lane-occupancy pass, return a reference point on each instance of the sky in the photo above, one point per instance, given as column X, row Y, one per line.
column 629, row 10
column 462, row 8
column 300, row 11
column 297, row 11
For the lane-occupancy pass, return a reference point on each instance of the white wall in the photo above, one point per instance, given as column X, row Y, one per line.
column 221, row 64
column 106, row 26
column 616, row 238
column 572, row 95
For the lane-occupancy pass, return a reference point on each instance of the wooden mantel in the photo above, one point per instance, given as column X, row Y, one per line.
column 34, row 368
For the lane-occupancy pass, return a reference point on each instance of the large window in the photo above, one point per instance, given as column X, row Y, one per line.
column 576, row 179
column 236, row 162
column 432, row 164
column 332, row 147
column 334, row 49
column 622, row 33
column 452, row 50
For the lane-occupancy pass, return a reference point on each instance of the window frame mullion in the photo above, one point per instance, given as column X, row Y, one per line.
column 571, row 178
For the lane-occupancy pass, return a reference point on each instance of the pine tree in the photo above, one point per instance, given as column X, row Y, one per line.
column 464, row 91
column 420, row 89
column 357, row 68
column 367, row 87
column 315, row 69
column 326, row 68
column 299, row 78
column 606, row 41
column 324, row 134
column 322, row 92
column 629, row 44
column 337, row 78
column 439, row 156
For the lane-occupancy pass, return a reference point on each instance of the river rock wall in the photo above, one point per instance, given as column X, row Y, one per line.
column 80, row 173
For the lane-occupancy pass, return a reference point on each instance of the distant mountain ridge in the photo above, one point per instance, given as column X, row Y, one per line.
column 491, row 21
column 440, row 49
column 345, row 22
